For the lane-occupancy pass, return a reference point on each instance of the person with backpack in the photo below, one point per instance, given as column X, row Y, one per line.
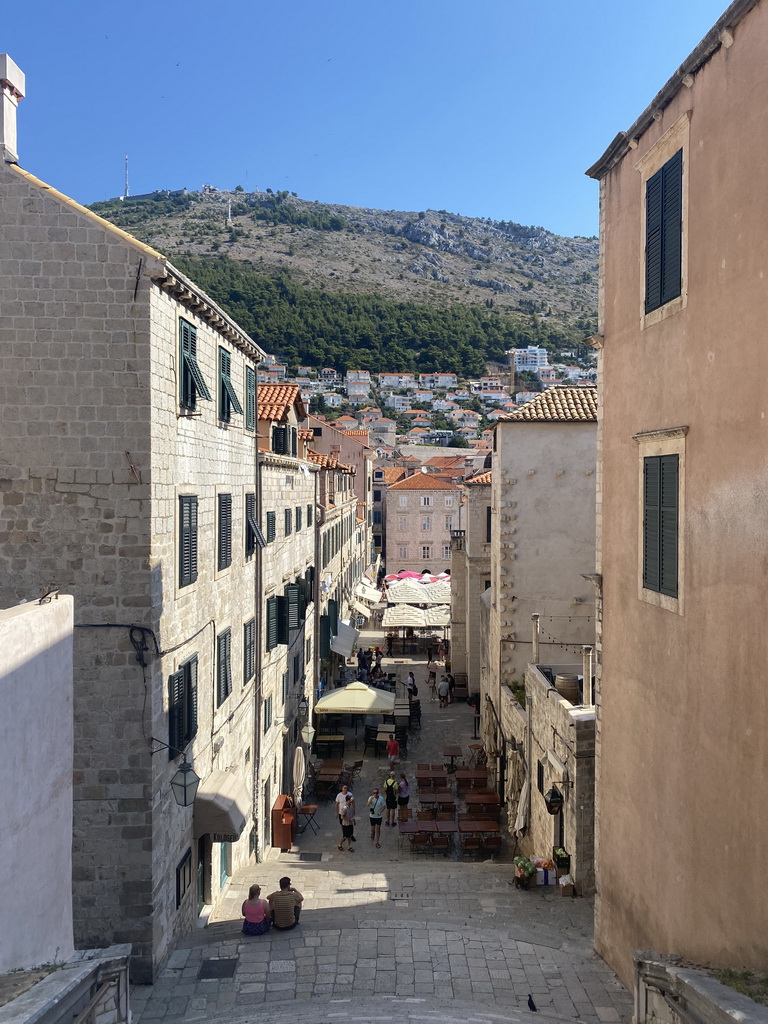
column 390, row 797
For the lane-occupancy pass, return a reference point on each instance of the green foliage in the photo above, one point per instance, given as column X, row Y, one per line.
column 276, row 208
column 458, row 441
column 311, row 325
column 127, row 213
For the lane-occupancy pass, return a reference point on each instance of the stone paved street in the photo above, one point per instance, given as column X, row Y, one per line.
column 382, row 930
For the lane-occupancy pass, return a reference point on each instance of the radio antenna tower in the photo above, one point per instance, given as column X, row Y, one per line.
column 127, row 191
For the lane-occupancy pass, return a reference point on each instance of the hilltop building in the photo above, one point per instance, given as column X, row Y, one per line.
column 421, row 512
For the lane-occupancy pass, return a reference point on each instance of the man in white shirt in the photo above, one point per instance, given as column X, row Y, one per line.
column 341, row 803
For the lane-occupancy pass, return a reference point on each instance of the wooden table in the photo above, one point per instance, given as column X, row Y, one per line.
column 467, row 777
column 481, row 825
column 330, row 741
column 452, row 752
column 474, row 797
column 432, row 775
column 409, row 828
column 437, row 796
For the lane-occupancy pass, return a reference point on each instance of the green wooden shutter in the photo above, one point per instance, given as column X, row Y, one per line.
column 271, row 632
column 249, row 650
column 223, row 667
column 293, row 598
column 250, row 398
column 192, row 381
column 280, row 440
column 228, row 400
column 282, row 620
column 225, row 531
column 271, row 526
column 660, row 524
column 294, row 442
column 288, row 515
column 297, row 517
column 175, row 713
column 191, row 683
column 250, row 524
column 333, row 616
column 309, row 515
column 324, row 640
column 663, row 233
column 488, row 520
column 187, row 539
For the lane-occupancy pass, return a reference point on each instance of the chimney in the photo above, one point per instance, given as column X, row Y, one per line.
column 12, row 85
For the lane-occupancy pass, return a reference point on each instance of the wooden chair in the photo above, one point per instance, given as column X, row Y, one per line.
column 492, row 845
column 357, row 767
column 444, row 816
column 441, row 844
column 472, row 844
column 425, row 815
column 419, row 842
column 422, row 767
column 405, row 813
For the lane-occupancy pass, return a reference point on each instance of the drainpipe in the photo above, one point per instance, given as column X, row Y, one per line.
column 529, row 752
column 535, row 638
column 586, row 669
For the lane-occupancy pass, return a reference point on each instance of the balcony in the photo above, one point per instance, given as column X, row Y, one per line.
column 457, row 540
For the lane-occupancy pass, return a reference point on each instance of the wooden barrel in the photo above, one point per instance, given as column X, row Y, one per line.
column 567, row 685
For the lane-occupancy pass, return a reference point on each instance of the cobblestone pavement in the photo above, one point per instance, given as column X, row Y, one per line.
column 386, row 931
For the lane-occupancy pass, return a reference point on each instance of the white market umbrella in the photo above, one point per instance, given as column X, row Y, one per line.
column 299, row 774
column 356, row 699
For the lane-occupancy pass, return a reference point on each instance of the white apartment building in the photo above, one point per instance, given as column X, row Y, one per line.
column 530, row 358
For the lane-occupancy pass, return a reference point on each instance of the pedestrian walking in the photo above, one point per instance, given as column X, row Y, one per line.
column 341, row 804
column 390, row 642
column 451, row 687
column 430, row 651
column 376, row 805
column 432, row 682
column 256, row 912
column 347, row 818
column 410, row 685
column 403, row 795
column 442, row 691
column 393, row 750
column 390, row 798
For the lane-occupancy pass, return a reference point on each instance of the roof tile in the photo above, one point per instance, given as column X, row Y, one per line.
column 562, row 403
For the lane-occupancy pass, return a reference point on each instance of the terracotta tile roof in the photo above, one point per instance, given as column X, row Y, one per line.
column 445, row 461
column 562, row 403
column 306, row 435
column 274, row 401
column 327, row 461
column 355, row 433
column 391, row 474
column 481, row 478
column 424, row 482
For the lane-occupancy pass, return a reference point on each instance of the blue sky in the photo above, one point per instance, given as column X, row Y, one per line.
column 490, row 108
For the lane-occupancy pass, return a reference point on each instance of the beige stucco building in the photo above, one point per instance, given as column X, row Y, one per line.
column 470, row 579
column 36, row 738
column 683, row 488
column 421, row 511
column 128, row 445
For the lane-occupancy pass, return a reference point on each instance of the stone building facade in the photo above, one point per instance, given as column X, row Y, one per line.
column 470, row 578
column 129, row 451
column 682, row 714
column 421, row 511
column 287, row 583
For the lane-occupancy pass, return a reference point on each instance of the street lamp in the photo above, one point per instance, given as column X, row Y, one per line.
column 185, row 781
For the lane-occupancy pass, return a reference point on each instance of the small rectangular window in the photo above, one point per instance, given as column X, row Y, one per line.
column 270, row 632
column 377, row 517
column 271, row 526
column 293, row 605
column 426, row 551
column 249, row 651
column 223, row 666
column 488, row 521
column 309, row 515
column 377, row 495
column 280, row 440
column 250, row 398
column 403, row 501
column 267, row 716
column 426, row 500
column 449, row 502
column 193, row 384
column 187, row 539
column 426, row 523
column 449, row 522
column 297, row 517
column 253, row 532
column 664, row 233
column 446, row 550
column 288, row 522
column 660, row 524
column 183, row 877
column 228, row 400
column 225, row 531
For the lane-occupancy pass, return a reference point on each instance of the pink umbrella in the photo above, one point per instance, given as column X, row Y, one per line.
column 406, row 574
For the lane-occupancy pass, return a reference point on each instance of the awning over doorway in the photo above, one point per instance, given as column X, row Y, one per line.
column 345, row 639
column 367, row 593
column 361, row 609
column 222, row 806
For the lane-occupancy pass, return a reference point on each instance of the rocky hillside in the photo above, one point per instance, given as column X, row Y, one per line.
column 431, row 257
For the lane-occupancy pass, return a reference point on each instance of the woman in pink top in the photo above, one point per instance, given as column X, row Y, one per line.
column 256, row 913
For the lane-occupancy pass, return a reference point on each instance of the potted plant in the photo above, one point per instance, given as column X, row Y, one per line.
column 561, row 858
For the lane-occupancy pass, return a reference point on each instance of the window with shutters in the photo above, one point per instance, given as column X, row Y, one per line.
column 288, row 522
column 228, row 400
column 187, row 539
column 402, row 551
column 271, row 526
column 426, row 524
column 664, row 233
column 324, row 637
column 282, row 619
column 223, row 666
column 377, row 495
column 250, row 398
column 333, row 615
column 449, row 501
column 183, row 877
column 377, row 517
column 193, row 385
column 488, row 523
column 449, row 522
column 285, row 687
column 661, row 543
column 225, row 531
column 280, row 440
column 664, row 172
column 249, row 651
column 403, row 501
column 266, row 717
column 402, row 524
column 426, row 501
column 294, row 434
column 182, row 707
column 310, row 518
column 446, row 550
column 270, row 633
column 253, row 532
column 293, row 602
column 426, row 551
column 298, row 517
